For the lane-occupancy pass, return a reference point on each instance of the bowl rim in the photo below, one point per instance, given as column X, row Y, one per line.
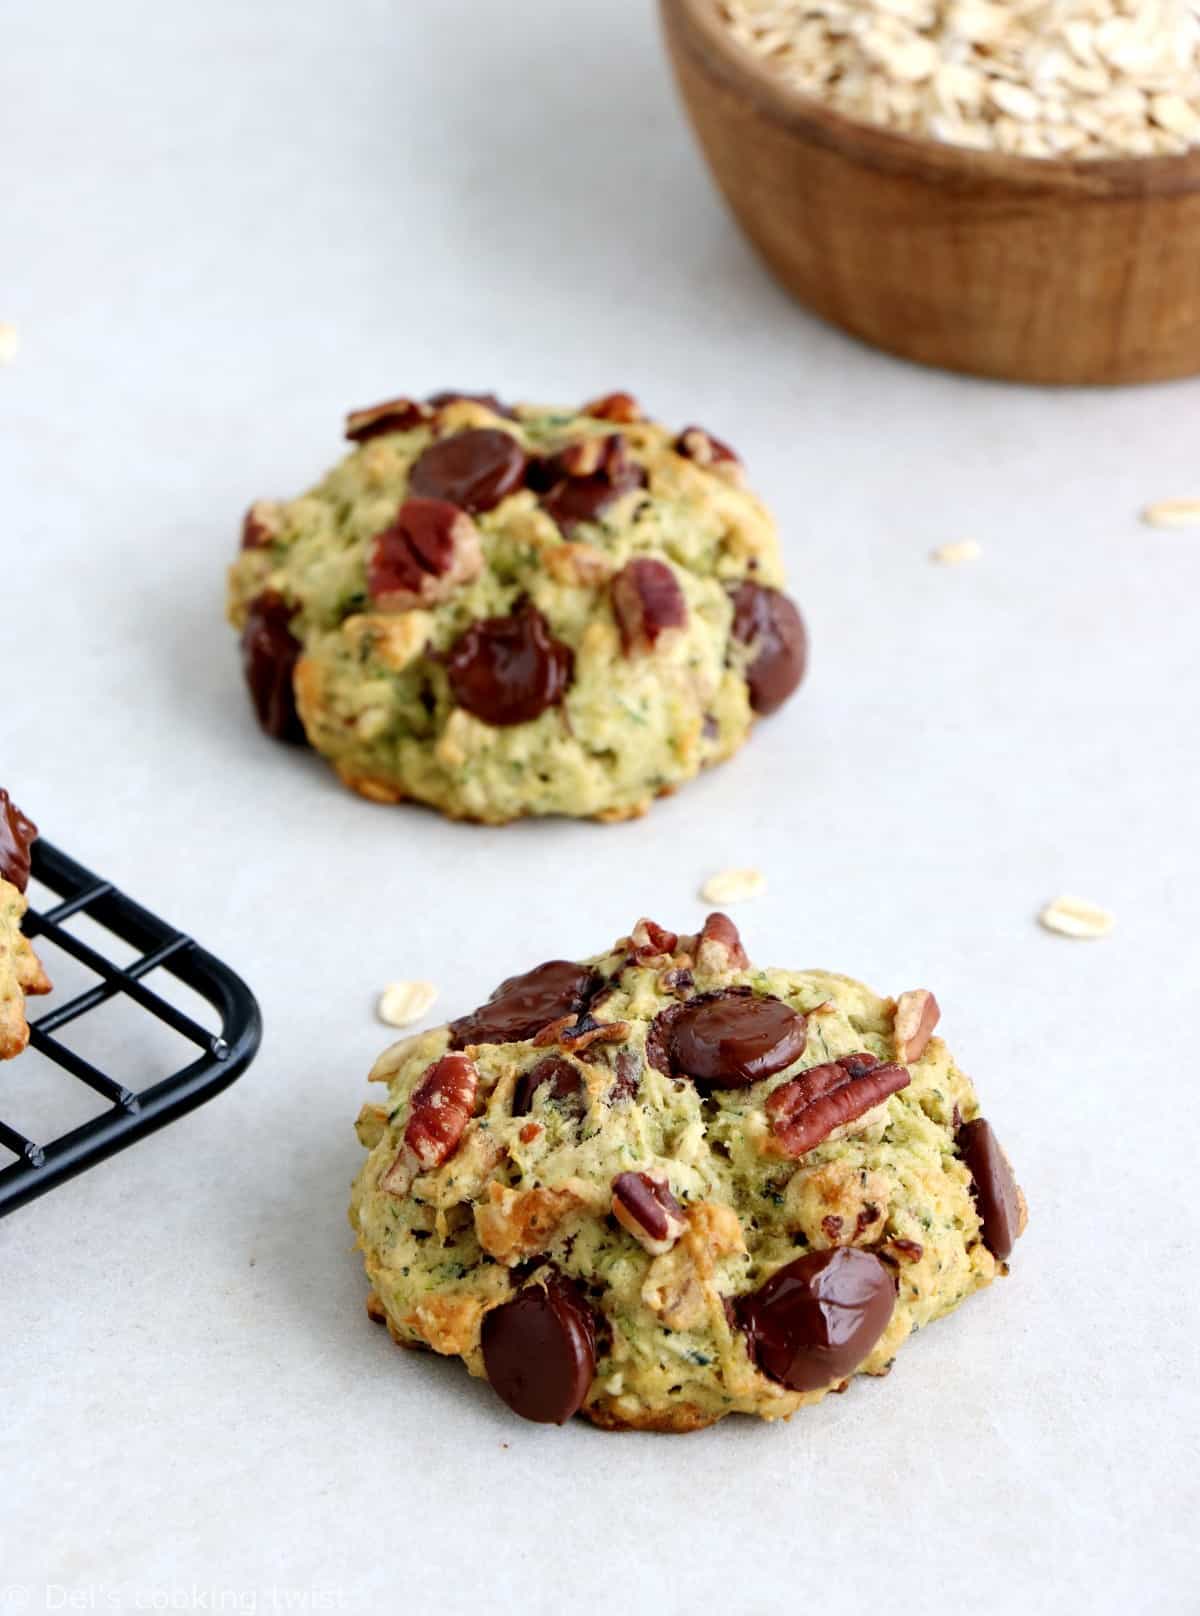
column 697, row 25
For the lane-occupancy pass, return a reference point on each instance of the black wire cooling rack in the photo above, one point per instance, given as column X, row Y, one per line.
column 119, row 925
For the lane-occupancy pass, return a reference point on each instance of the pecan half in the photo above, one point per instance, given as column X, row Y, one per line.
column 917, row 1014
column 622, row 407
column 643, row 1205
column 441, row 1106
column 807, row 1109
column 393, row 415
column 646, row 601
column 430, row 549
column 719, row 946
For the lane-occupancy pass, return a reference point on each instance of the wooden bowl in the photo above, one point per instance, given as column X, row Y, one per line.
column 1036, row 270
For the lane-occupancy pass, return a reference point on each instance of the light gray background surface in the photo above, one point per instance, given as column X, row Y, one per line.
column 222, row 226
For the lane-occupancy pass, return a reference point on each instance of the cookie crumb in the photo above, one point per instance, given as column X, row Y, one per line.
column 733, row 886
column 1077, row 917
column 954, row 554
column 10, row 342
column 402, row 1003
column 1172, row 513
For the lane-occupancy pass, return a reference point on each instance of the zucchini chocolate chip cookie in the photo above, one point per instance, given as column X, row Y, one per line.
column 663, row 1186
column 21, row 972
column 508, row 612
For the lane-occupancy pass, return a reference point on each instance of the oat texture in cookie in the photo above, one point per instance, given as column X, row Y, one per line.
column 663, row 1185
column 503, row 612
column 21, row 972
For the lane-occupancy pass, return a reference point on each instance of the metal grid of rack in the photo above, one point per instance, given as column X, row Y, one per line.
column 220, row 1057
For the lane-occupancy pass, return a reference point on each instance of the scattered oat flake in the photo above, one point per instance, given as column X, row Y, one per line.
column 733, row 886
column 1173, row 513
column 1076, row 917
column 402, row 1003
column 953, row 555
column 10, row 341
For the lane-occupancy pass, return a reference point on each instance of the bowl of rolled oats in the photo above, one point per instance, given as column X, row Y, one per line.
column 1004, row 187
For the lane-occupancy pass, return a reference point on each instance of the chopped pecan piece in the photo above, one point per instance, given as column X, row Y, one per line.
column 440, row 1108
column 515, row 1224
column 429, row 550
column 694, row 443
column 578, row 1033
column 647, row 601
column 837, row 1203
column 917, row 1014
column 261, row 524
column 907, row 1251
column 643, row 1205
column 571, row 496
column 807, row 1109
column 394, row 415
column 628, row 1080
column 652, row 942
column 621, row 407
column 677, row 980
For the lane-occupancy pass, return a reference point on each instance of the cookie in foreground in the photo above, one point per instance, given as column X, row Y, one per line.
column 662, row 1186
column 21, row 972
column 505, row 612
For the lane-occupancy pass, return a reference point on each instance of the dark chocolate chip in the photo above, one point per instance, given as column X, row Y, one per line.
column 563, row 1081
column 269, row 654
column 993, row 1185
column 539, row 1350
column 769, row 623
column 509, row 670
column 731, row 1039
column 474, row 470
column 817, row 1318
column 17, row 835
column 522, row 1005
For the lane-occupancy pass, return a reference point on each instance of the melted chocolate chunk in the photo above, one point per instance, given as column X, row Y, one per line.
column 539, row 1350
column 563, row 1080
column 509, row 670
column 270, row 652
column 993, row 1186
column 816, row 1319
column 768, row 621
column 522, row 1005
column 474, row 470
column 733, row 1038
column 17, row 836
